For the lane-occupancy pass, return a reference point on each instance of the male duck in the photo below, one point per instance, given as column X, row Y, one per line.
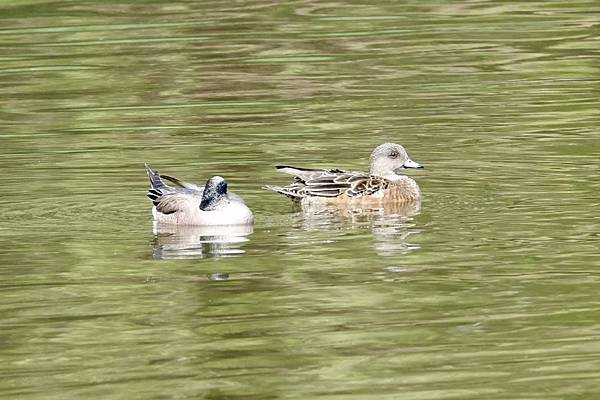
column 189, row 204
column 383, row 184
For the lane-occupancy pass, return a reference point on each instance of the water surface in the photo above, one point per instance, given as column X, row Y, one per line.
column 490, row 290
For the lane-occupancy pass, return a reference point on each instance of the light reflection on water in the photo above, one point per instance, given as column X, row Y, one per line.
column 389, row 226
column 187, row 241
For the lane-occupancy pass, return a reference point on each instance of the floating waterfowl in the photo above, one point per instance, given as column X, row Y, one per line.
column 189, row 204
column 384, row 183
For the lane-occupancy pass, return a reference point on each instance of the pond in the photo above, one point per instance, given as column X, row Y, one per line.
column 488, row 290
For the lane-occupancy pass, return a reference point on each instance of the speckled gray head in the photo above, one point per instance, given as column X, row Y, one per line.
column 215, row 194
column 388, row 160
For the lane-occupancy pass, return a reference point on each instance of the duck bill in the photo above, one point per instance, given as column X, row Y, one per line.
column 411, row 164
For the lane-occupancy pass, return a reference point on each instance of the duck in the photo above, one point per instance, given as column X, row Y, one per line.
column 385, row 182
column 190, row 204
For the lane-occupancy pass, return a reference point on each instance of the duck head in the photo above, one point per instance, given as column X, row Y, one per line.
column 389, row 159
column 215, row 194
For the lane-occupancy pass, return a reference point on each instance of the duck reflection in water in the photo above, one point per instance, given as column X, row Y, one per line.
column 391, row 224
column 192, row 241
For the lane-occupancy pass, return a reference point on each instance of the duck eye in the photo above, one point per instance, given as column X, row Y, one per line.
column 393, row 154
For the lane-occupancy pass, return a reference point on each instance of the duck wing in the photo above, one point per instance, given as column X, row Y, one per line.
column 351, row 184
column 328, row 183
column 179, row 200
column 167, row 199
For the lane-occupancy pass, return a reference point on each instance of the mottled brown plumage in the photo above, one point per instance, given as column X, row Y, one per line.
column 383, row 183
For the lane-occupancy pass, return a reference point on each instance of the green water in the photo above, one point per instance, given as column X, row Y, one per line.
column 489, row 292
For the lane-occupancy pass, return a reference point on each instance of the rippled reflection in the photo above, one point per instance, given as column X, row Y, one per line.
column 391, row 224
column 188, row 242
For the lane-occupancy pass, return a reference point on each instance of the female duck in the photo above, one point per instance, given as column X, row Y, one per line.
column 384, row 183
column 189, row 204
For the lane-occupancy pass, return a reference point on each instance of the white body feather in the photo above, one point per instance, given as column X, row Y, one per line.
column 233, row 213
